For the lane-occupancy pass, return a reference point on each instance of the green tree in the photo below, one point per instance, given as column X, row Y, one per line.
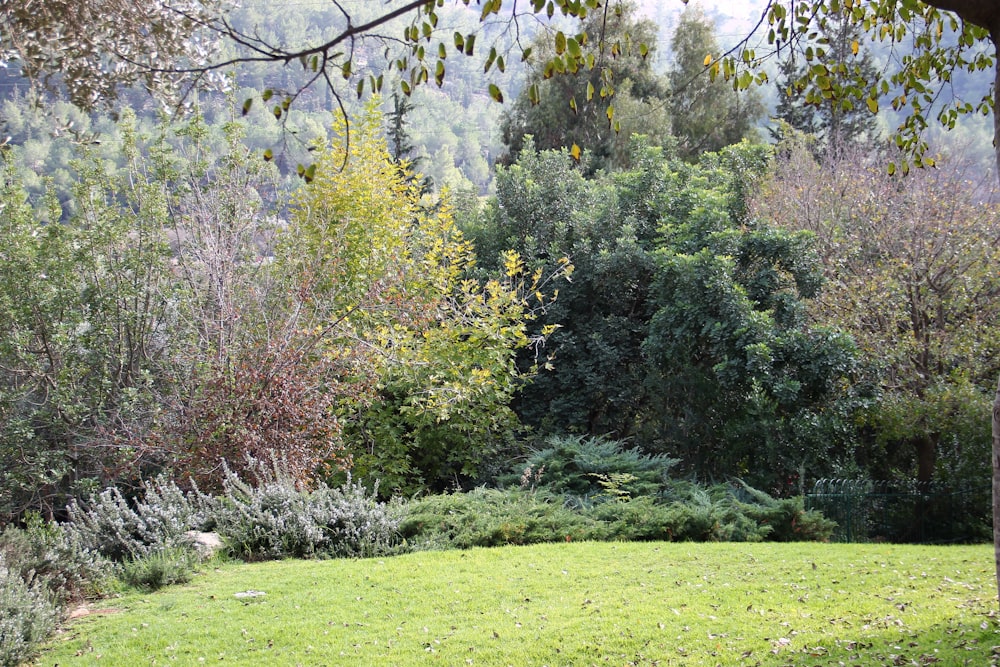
column 837, row 122
column 83, row 310
column 745, row 386
column 389, row 290
column 545, row 209
column 569, row 107
column 707, row 114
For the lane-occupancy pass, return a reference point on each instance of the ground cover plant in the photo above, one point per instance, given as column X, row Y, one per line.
column 565, row 604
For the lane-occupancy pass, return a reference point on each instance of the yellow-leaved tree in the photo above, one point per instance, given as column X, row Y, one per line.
column 384, row 273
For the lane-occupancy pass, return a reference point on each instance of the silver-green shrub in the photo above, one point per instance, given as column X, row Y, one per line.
column 276, row 518
column 121, row 530
column 50, row 554
column 27, row 616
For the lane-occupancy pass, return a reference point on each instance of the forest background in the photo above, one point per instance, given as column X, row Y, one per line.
column 731, row 281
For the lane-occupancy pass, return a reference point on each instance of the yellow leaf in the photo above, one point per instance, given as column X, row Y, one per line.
column 708, row 60
column 873, row 105
column 575, row 152
column 854, row 47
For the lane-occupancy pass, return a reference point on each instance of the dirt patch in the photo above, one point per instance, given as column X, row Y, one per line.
column 87, row 610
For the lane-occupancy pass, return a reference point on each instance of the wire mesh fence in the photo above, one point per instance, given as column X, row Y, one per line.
column 904, row 511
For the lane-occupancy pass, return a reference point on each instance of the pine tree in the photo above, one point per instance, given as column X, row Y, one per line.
column 707, row 114
column 839, row 121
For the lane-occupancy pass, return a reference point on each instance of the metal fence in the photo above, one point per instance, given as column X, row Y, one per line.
column 903, row 511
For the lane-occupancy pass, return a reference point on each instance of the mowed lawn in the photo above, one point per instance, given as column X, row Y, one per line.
column 565, row 604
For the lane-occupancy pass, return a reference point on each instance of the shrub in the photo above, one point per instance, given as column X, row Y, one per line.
column 583, row 466
column 277, row 519
column 121, row 530
column 172, row 565
column 27, row 616
column 687, row 511
column 489, row 517
column 53, row 556
column 787, row 518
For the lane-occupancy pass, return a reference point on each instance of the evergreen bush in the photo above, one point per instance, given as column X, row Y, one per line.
column 577, row 465
column 167, row 566
column 276, row 518
column 122, row 530
column 27, row 616
column 490, row 517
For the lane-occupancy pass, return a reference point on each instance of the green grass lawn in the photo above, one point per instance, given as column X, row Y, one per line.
column 566, row 604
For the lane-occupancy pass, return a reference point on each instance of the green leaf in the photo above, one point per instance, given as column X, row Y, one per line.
column 495, row 93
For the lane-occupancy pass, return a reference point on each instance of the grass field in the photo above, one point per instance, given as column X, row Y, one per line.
column 566, row 604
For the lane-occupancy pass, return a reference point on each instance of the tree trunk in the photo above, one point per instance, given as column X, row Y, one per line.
column 995, row 34
column 996, row 484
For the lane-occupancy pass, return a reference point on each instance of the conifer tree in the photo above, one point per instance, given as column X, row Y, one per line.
column 836, row 122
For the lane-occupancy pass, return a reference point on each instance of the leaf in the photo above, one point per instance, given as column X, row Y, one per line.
column 708, row 60
column 268, row 155
column 495, row 93
column 574, row 152
column 873, row 105
column 560, row 43
column 246, row 105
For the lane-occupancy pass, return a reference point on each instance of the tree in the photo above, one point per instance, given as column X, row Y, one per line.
column 546, row 209
column 541, row 109
column 834, row 122
column 93, row 48
column 707, row 114
column 743, row 384
column 388, row 286
column 948, row 35
column 82, row 324
column 911, row 273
